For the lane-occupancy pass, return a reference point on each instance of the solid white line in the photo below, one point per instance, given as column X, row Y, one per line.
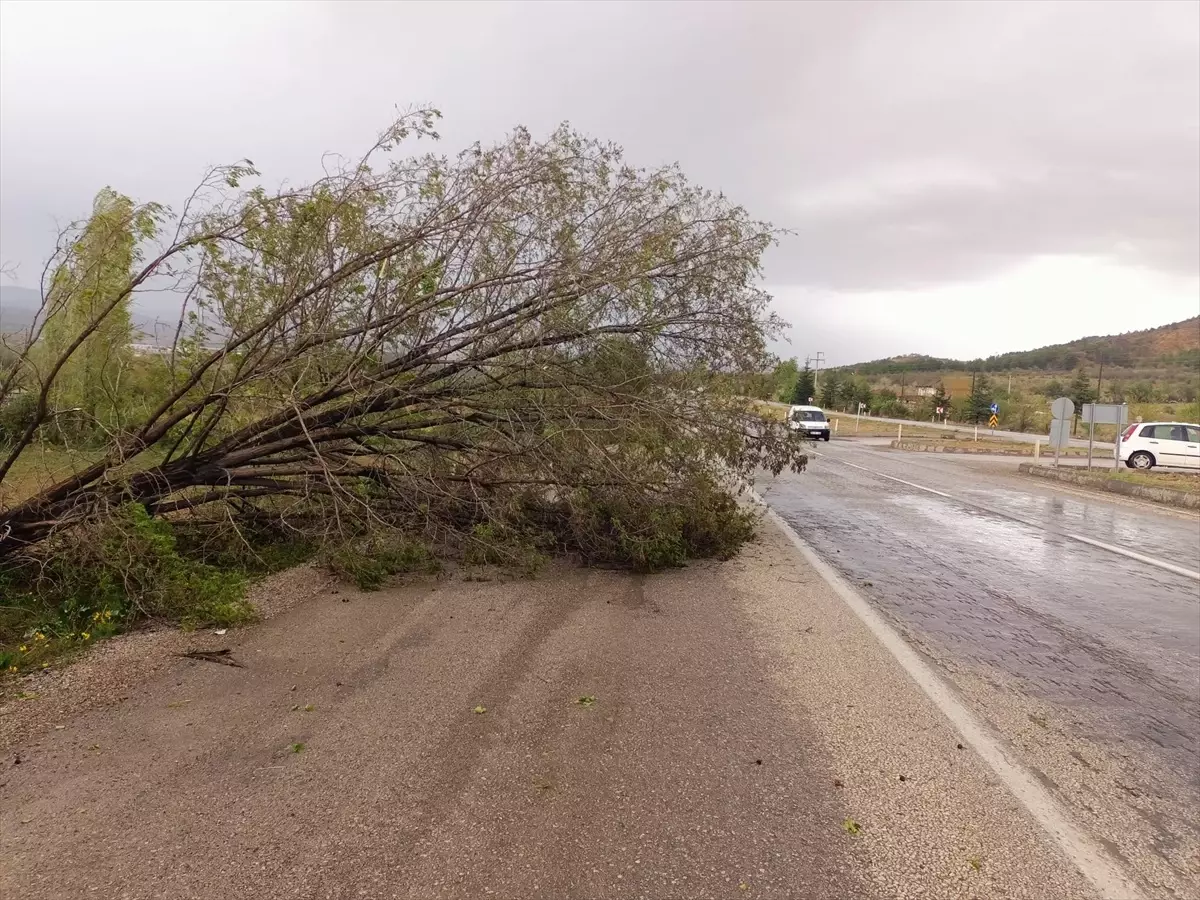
column 1140, row 557
column 1120, row 551
column 1105, row 874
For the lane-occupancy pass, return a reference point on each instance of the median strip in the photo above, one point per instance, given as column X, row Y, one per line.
column 1114, row 483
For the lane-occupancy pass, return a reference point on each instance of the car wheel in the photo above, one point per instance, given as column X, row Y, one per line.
column 825, row 437
column 1142, row 460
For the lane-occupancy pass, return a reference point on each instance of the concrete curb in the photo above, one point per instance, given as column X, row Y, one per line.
column 915, row 447
column 921, row 447
column 1163, row 495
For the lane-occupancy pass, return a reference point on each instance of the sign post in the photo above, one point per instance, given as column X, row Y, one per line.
column 1060, row 427
column 1091, row 433
column 1106, row 414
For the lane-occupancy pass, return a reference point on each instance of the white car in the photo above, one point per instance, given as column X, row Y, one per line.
column 1145, row 445
column 810, row 420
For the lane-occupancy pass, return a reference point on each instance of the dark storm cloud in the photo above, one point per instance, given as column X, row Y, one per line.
column 905, row 144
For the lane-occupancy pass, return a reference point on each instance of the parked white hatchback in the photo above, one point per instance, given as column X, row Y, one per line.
column 1145, row 445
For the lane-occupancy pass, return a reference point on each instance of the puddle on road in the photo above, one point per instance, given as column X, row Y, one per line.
column 994, row 534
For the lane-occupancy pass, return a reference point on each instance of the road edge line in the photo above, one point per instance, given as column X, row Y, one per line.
column 1093, row 862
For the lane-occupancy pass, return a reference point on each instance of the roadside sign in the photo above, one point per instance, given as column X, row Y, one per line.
column 941, row 409
column 1060, row 432
column 993, row 421
column 1106, row 413
column 995, row 408
column 1062, row 408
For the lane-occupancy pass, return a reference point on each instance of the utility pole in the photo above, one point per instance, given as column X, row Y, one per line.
column 816, row 372
column 971, row 400
column 1099, row 379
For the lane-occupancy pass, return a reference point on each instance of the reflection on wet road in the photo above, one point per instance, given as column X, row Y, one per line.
column 1113, row 640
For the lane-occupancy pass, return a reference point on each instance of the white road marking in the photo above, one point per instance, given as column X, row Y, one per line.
column 1089, row 857
column 1111, row 548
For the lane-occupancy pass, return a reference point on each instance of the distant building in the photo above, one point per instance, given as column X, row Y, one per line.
column 149, row 349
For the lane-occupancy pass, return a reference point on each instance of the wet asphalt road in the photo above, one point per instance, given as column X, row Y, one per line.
column 1111, row 642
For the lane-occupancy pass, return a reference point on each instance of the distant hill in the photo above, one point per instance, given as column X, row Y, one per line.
column 1174, row 346
column 19, row 306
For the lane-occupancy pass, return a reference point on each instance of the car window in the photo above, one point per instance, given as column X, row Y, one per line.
column 808, row 415
column 1193, row 434
column 1147, row 432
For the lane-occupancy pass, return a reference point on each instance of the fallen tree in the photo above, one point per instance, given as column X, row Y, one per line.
column 453, row 341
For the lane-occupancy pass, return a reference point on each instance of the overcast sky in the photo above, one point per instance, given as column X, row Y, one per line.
column 961, row 178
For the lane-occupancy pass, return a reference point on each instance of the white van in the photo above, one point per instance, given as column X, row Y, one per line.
column 810, row 420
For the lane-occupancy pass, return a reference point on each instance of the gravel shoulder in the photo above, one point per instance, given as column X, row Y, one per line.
column 727, row 730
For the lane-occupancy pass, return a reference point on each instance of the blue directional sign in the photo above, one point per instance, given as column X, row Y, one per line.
column 995, row 408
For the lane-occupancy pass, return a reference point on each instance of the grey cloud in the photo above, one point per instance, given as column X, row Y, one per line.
column 905, row 144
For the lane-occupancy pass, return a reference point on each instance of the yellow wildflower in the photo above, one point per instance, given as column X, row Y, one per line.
column 12, row 668
column 85, row 635
column 24, row 649
column 39, row 637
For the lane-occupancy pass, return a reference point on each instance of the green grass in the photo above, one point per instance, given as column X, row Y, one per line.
column 1179, row 481
column 40, row 466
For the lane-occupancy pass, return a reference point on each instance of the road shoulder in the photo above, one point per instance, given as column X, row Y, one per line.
column 726, row 730
column 935, row 820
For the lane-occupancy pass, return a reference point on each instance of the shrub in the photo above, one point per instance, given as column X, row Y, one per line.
column 99, row 579
column 261, row 548
column 131, row 567
column 507, row 546
column 369, row 563
column 697, row 519
column 15, row 415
